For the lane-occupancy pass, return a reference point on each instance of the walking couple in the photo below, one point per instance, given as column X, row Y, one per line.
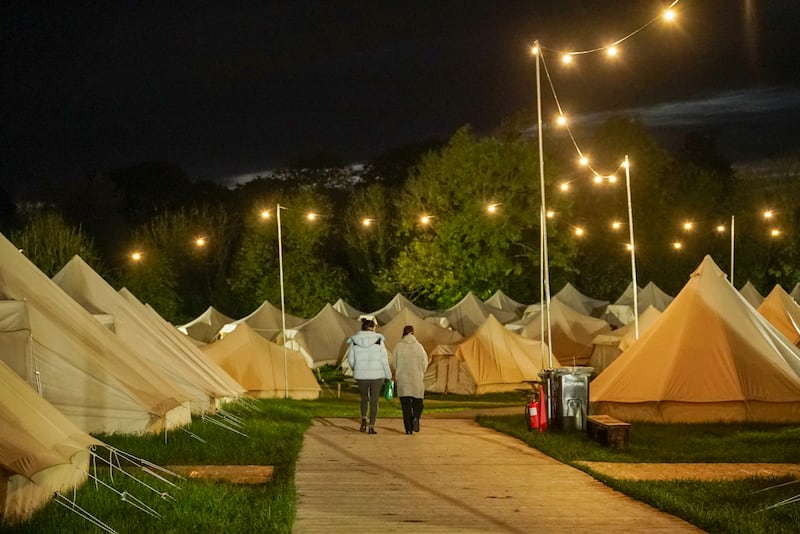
column 370, row 364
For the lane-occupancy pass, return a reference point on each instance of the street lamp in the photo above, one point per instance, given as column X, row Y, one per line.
column 283, row 302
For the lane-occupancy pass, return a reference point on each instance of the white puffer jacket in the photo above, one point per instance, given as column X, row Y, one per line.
column 367, row 356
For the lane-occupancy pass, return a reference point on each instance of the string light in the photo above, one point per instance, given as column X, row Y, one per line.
column 265, row 214
column 311, row 216
column 583, row 161
column 688, row 226
column 561, row 120
column 616, row 225
column 492, row 208
column 367, row 222
column 137, row 256
column 768, row 214
column 677, row 245
column 612, row 51
column 721, row 229
column 200, row 242
column 425, row 219
column 564, row 186
column 550, row 214
column 579, row 231
column 775, row 232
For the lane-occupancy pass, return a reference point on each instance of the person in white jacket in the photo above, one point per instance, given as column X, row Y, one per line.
column 410, row 363
column 370, row 364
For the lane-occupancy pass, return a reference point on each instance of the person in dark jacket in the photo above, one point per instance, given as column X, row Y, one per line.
column 369, row 361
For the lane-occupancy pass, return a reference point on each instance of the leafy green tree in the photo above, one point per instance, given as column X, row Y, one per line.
column 310, row 279
column 369, row 227
column 186, row 254
column 50, row 242
column 463, row 247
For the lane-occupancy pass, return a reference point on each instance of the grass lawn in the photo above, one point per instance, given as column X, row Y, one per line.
column 720, row 506
column 274, row 431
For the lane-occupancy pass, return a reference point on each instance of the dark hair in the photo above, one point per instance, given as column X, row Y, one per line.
column 408, row 329
column 366, row 324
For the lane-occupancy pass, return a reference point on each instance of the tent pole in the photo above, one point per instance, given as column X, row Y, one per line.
column 633, row 249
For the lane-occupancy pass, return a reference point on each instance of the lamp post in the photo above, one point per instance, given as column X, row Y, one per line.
column 633, row 248
column 544, row 271
column 283, row 304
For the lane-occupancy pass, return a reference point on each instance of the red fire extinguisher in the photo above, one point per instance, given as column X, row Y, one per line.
column 532, row 412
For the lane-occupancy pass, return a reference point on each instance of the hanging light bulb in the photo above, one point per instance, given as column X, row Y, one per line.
column 669, row 15
column 561, row 120
column 265, row 214
column 616, row 225
column 677, row 245
column 612, row 51
column 564, row 186
column 535, row 50
column 584, row 161
column 566, row 59
column 579, row 231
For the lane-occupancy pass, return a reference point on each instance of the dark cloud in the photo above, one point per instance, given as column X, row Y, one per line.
column 224, row 88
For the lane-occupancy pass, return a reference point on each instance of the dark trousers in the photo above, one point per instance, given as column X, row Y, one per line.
column 370, row 393
column 412, row 409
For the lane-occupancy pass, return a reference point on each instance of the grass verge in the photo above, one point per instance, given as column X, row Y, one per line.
column 738, row 506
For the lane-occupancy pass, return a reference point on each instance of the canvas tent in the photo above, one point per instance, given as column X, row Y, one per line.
column 427, row 333
column 79, row 365
column 206, row 326
column 710, row 357
column 258, row 364
column 579, row 302
column 572, row 332
column 608, row 346
column 322, row 339
column 751, row 294
column 393, row 307
column 187, row 368
column 227, row 388
column 621, row 312
column 503, row 302
column 471, row 312
column 795, row 292
column 347, row 310
column 265, row 320
column 492, row 359
column 780, row 309
column 41, row 451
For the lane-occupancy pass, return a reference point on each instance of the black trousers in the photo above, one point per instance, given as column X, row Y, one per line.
column 412, row 409
column 370, row 391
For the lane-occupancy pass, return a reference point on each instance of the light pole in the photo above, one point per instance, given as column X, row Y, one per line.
column 283, row 303
column 633, row 248
column 544, row 271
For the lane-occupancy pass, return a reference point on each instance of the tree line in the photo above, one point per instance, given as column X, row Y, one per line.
column 156, row 209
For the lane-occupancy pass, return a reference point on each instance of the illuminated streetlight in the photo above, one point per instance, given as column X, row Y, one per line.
column 265, row 214
column 535, row 50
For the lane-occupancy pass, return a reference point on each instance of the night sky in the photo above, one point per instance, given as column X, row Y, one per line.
column 227, row 88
